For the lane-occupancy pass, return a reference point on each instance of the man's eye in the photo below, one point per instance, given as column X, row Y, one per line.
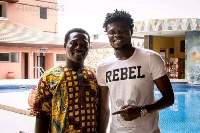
column 111, row 32
column 87, row 44
column 124, row 30
column 72, row 43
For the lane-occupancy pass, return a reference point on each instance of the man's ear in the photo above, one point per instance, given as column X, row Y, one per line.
column 64, row 45
column 131, row 32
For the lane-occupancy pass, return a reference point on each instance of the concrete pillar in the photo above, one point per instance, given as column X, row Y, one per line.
column 30, row 65
column 192, row 56
column 148, row 42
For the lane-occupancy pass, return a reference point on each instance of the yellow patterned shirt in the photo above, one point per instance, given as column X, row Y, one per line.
column 70, row 98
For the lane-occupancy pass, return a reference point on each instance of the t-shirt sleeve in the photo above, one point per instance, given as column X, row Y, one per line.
column 100, row 78
column 157, row 66
column 42, row 101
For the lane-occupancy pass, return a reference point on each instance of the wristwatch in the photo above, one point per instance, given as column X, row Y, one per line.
column 143, row 111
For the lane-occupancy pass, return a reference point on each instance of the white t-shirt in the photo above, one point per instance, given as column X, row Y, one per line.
column 130, row 82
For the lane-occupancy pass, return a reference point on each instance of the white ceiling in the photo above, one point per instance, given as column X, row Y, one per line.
column 161, row 33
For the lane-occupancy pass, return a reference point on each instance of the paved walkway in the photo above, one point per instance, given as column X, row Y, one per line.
column 15, row 102
column 11, row 122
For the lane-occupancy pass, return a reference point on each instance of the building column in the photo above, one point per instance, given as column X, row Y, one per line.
column 192, row 56
column 148, row 42
column 30, row 65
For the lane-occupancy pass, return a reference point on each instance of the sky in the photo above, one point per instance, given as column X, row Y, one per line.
column 90, row 14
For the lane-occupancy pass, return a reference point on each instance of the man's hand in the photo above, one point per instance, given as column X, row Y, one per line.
column 129, row 112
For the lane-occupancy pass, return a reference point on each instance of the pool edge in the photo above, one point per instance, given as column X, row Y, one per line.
column 16, row 110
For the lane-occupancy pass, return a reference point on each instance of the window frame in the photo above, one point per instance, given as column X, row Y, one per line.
column 96, row 36
column 10, row 61
column 3, row 10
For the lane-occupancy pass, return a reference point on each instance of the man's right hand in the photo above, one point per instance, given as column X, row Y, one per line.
column 129, row 112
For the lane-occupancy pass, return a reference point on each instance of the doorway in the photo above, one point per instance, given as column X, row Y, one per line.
column 26, row 65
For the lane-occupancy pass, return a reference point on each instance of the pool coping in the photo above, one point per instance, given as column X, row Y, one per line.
column 16, row 110
column 179, row 80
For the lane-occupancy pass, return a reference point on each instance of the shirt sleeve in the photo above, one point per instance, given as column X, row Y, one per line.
column 100, row 79
column 42, row 101
column 157, row 66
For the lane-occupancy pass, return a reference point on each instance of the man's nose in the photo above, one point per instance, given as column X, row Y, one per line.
column 79, row 47
column 119, row 33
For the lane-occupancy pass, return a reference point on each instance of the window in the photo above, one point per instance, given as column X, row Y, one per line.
column 14, row 57
column 171, row 50
column 60, row 57
column 4, row 56
column 162, row 53
column 95, row 37
column 9, row 57
column 43, row 12
column 182, row 46
column 3, row 9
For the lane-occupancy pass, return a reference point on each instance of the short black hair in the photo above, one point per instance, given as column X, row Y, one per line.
column 76, row 30
column 118, row 16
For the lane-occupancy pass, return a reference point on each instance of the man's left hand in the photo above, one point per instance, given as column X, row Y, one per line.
column 129, row 112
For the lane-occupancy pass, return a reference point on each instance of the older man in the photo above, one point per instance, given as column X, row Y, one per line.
column 67, row 95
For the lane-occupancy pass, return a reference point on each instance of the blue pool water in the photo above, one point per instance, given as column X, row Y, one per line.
column 184, row 115
column 15, row 88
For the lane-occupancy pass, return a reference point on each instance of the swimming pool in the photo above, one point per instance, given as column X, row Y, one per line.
column 15, row 88
column 184, row 115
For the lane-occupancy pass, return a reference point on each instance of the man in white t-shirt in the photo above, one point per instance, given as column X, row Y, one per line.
column 129, row 77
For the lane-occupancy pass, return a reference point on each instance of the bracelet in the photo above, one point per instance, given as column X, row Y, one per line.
column 143, row 111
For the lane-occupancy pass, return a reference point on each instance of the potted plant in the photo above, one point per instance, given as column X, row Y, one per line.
column 10, row 75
